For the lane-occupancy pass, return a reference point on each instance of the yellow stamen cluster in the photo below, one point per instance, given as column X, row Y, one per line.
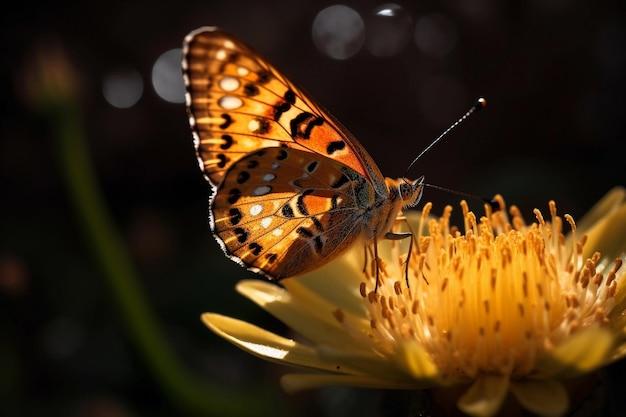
column 491, row 300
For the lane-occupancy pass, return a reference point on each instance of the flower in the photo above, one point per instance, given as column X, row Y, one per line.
column 505, row 307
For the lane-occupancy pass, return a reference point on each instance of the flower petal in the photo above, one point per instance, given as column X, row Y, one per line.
column 545, row 398
column 312, row 318
column 414, row 359
column 607, row 234
column 371, row 363
column 265, row 344
column 580, row 353
column 485, row 396
column 337, row 283
column 297, row 382
column 611, row 201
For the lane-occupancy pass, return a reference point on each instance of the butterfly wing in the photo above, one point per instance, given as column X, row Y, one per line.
column 300, row 210
column 238, row 103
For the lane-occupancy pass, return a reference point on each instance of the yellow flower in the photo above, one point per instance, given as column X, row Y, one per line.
column 504, row 307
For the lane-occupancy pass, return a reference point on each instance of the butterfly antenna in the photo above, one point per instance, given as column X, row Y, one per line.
column 480, row 103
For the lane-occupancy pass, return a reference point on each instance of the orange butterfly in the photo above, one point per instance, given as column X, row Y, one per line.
column 292, row 188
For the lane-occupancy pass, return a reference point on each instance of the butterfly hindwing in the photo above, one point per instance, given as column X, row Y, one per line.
column 299, row 208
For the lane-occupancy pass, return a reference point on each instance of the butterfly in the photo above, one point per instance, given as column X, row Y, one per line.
column 291, row 187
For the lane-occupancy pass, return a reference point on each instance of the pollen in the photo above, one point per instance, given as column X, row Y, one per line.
column 492, row 299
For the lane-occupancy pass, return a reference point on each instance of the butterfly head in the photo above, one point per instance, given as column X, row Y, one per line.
column 406, row 191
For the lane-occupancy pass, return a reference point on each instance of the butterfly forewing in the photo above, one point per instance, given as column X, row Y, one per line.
column 238, row 103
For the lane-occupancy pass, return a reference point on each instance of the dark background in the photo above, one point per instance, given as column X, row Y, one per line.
column 553, row 75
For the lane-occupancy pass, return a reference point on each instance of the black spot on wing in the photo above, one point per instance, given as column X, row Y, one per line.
column 223, row 159
column 279, row 109
column 228, row 142
column 301, row 204
column 242, row 234
column 282, row 154
column 304, row 232
column 250, row 90
column 255, row 248
column 290, row 97
column 287, row 211
column 242, row 177
column 263, row 77
column 233, row 195
column 235, row 216
column 227, row 121
column 335, row 146
column 318, row 225
column 302, row 125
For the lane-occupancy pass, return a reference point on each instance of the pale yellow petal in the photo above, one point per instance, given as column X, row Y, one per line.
column 484, row 398
column 611, row 201
column 337, row 283
column 265, row 344
column 545, row 398
column 298, row 382
column 313, row 321
column 608, row 235
column 578, row 354
column 414, row 360
column 369, row 362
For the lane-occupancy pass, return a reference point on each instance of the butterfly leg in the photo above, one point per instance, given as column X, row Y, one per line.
column 377, row 265
column 400, row 236
column 366, row 250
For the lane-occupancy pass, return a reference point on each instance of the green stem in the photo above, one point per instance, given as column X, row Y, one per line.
column 197, row 397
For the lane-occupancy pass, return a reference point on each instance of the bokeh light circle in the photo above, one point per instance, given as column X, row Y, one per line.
column 122, row 88
column 167, row 78
column 338, row 31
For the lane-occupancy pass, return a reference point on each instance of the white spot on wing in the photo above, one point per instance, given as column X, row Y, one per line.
column 229, row 83
column 275, row 165
column 253, row 125
column 268, row 177
column 230, row 102
column 277, row 232
column 221, row 54
column 243, row 71
column 266, row 221
column 261, row 190
column 256, row 209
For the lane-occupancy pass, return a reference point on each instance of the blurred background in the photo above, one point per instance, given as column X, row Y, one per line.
column 74, row 342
